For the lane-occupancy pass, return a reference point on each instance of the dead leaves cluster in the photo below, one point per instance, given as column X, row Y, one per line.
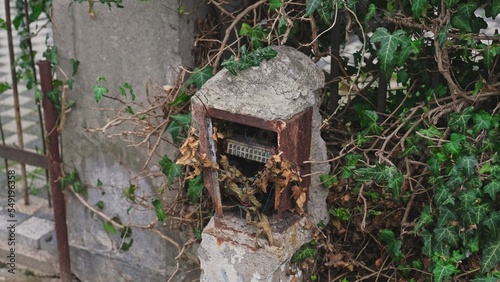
column 237, row 184
column 191, row 157
column 262, row 223
column 282, row 173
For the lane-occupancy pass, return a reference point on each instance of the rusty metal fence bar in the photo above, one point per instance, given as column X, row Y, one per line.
column 55, row 171
column 2, row 136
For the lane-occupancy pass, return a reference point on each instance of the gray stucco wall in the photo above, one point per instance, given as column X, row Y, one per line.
column 146, row 40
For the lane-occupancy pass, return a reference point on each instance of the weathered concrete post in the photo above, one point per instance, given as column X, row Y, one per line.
column 278, row 98
column 144, row 41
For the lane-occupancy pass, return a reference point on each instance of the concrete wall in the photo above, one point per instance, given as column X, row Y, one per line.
column 145, row 40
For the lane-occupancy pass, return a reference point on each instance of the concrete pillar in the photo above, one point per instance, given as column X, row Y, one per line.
column 145, row 40
column 275, row 93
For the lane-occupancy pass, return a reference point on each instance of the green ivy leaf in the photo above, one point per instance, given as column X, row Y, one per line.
column 434, row 166
column 412, row 146
column 180, row 123
column 418, row 7
column 474, row 214
column 493, row 224
column 495, row 8
column 126, row 232
column 195, row 187
column 373, row 127
column 450, row 3
column 99, row 91
column 442, row 35
column 248, row 59
column 492, row 142
column 70, row 83
column 175, row 129
column 440, row 247
column 446, row 215
column 4, row 86
column 467, row 198
column 443, row 270
column 170, row 169
column 352, row 159
column 75, row 64
column 467, row 164
column 491, row 255
column 461, row 22
column 160, row 212
column 456, row 180
column 304, row 253
column 472, row 243
column 182, row 119
column 99, row 88
column 326, row 12
column 425, row 219
column 454, row 146
column 447, row 234
column 459, row 121
column 126, row 246
column 486, row 168
column 127, row 85
column 474, row 182
column 492, row 188
column 129, row 192
column 490, row 53
column 482, row 120
column 372, row 11
column 3, row 25
column 36, row 11
column 408, row 47
column 478, row 23
column 311, row 6
column 468, row 8
column 393, row 245
column 376, row 173
column 199, row 77
column 489, row 278
column 99, row 205
column 394, row 181
column 389, row 44
column 108, row 226
column 197, row 232
column 182, row 98
column 51, row 55
column 346, row 172
column 129, row 110
column 275, row 4
column 328, row 180
column 427, row 248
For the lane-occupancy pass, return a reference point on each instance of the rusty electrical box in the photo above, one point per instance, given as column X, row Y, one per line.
column 249, row 142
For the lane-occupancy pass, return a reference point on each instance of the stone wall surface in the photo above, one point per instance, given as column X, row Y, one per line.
column 145, row 40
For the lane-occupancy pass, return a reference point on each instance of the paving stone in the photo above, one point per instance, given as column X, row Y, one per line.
column 32, row 231
column 4, row 223
column 27, row 138
column 11, row 126
column 36, row 203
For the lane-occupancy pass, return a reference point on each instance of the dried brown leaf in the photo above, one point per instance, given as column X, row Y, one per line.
column 188, row 150
column 299, row 194
column 333, row 259
column 264, row 225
